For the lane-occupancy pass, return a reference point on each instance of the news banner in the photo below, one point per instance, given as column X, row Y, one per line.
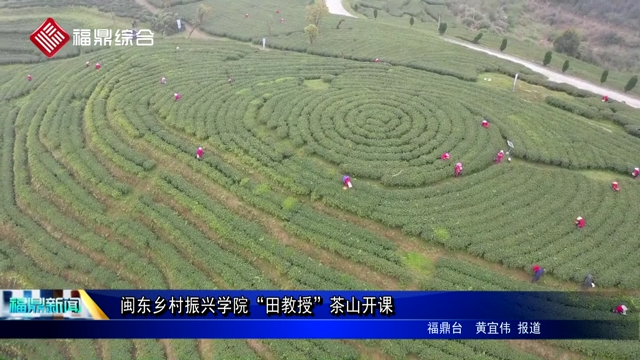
column 236, row 314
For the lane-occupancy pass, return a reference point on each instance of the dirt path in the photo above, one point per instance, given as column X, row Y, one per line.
column 554, row 76
column 197, row 34
column 336, row 8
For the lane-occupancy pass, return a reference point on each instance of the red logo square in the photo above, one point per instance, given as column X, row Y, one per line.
column 50, row 37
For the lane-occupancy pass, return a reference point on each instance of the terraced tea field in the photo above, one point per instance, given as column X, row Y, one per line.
column 101, row 187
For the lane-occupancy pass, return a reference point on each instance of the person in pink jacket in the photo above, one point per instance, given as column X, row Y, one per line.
column 346, row 180
column 458, row 169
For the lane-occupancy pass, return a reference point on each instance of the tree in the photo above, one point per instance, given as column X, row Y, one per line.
column 604, row 76
column 503, row 45
column 477, row 38
column 442, row 28
column 547, row 58
column 202, row 13
column 631, row 84
column 316, row 11
column 375, row 13
column 165, row 23
column 411, row 21
column 568, row 43
column 312, row 31
column 565, row 66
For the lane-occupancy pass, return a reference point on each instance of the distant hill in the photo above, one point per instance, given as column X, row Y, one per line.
column 609, row 29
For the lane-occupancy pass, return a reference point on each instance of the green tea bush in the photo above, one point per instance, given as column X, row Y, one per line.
column 455, row 274
column 123, row 8
column 233, row 349
column 387, row 127
column 82, row 175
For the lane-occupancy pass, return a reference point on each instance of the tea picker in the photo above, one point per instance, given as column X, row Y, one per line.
column 538, row 271
column 458, row 169
column 588, row 282
column 510, row 145
column 346, row 180
column 199, row 153
column 621, row 309
column 498, row 159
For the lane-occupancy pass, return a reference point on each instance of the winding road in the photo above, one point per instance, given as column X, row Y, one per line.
column 336, row 8
column 554, row 76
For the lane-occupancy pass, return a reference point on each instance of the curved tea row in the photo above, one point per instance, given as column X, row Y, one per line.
column 102, row 177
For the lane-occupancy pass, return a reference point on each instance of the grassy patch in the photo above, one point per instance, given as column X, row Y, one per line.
column 524, row 90
column 419, row 263
column 316, row 84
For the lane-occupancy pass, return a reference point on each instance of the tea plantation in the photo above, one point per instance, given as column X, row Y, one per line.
column 100, row 187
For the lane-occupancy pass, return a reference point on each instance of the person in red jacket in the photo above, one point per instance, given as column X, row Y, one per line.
column 176, row 96
column 636, row 173
column 445, row 156
column 199, row 153
column 605, row 98
column 537, row 273
column 485, row 124
column 499, row 157
column 376, row 60
column 98, row 66
column 614, row 186
column 458, row 169
column 620, row 309
column 29, row 77
column 579, row 222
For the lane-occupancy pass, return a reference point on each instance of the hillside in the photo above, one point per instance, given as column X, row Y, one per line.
column 101, row 188
column 609, row 30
